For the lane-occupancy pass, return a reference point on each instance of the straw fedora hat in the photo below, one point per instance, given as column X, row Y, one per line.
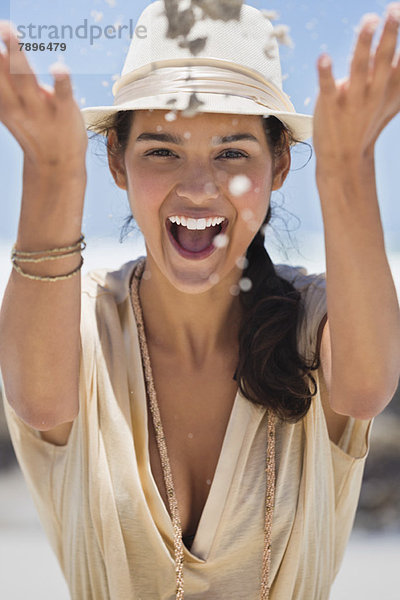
column 223, row 66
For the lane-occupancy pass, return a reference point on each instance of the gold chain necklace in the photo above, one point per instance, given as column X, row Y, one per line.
column 162, row 448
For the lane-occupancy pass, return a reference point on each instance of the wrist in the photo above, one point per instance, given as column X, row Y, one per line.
column 51, row 210
column 55, row 171
column 355, row 176
column 50, row 235
column 347, row 167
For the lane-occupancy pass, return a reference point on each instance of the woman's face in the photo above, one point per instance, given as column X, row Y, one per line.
column 209, row 166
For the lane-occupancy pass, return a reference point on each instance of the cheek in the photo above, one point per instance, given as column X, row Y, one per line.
column 146, row 193
column 252, row 205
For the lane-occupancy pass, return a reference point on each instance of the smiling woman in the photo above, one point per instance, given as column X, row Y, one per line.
column 257, row 148
column 196, row 409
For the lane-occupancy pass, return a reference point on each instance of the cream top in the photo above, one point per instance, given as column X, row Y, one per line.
column 103, row 513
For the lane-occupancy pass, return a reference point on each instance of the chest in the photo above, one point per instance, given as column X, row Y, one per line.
column 195, row 407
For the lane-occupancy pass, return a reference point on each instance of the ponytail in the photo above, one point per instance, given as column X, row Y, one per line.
column 270, row 370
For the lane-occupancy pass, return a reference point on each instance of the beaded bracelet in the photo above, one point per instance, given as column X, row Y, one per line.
column 16, row 256
column 47, row 278
column 52, row 254
column 37, row 256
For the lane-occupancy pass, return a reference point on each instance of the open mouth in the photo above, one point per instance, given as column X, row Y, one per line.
column 195, row 243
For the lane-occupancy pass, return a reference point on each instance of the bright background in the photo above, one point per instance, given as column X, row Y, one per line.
column 315, row 27
column 369, row 568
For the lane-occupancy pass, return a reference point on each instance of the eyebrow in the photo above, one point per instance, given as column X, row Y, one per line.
column 176, row 139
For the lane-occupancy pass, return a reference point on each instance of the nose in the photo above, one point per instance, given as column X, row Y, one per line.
column 197, row 184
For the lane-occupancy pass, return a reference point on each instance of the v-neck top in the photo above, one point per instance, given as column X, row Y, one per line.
column 100, row 506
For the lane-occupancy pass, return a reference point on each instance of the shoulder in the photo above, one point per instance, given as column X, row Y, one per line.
column 301, row 279
column 313, row 309
column 113, row 285
column 104, row 294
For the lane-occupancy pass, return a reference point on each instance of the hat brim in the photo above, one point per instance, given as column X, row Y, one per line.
column 301, row 125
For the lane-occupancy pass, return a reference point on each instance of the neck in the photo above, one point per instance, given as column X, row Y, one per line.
column 190, row 327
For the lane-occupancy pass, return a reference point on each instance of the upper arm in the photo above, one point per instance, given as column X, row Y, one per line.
column 336, row 422
column 57, row 435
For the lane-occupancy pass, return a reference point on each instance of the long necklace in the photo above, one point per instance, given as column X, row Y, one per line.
column 162, row 448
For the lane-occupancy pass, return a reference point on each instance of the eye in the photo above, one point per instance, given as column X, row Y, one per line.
column 233, row 154
column 162, row 152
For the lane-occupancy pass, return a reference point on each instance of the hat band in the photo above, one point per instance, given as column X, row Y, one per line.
column 206, row 79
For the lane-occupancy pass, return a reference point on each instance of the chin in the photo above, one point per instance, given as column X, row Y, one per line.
column 192, row 282
column 192, row 276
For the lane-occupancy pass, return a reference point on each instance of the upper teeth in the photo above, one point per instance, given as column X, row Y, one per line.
column 197, row 223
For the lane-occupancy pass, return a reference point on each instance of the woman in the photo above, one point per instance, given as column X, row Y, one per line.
column 202, row 428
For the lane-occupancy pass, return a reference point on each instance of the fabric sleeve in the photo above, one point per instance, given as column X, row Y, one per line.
column 335, row 470
column 313, row 310
column 346, row 459
column 354, row 442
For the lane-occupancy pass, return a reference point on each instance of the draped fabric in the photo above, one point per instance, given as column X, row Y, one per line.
column 102, row 511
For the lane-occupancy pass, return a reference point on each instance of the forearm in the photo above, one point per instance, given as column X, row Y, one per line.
column 51, row 205
column 39, row 321
column 363, row 308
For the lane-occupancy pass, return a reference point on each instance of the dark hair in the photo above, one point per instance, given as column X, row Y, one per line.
column 270, row 370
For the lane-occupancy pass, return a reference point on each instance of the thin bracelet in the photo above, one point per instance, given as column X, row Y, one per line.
column 17, row 256
column 79, row 245
column 47, row 278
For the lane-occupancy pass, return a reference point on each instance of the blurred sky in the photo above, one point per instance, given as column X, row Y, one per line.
column 315, row 27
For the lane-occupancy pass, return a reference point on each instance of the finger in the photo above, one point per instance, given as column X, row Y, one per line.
column 47, row 91
column 18, row 61
column 21, row 75
column 394, row 9
column 11, row 109
column 9, row 101
column 393, row 87
column 326, row 80
column 385, row 52
column 360, row 64
column 396, row 70
column 394, row 82
column 342, row 89
column 62, row 83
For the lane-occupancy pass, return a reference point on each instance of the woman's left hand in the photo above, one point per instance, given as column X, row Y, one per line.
column 350, row 114
column 360, row 349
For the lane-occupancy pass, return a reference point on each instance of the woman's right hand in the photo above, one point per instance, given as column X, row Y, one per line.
column 46, row 122
column 39, row 322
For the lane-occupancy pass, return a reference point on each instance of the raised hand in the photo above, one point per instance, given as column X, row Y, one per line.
column 39, row 322
column 360, row 347
column 350, row 114
column 46, row 122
